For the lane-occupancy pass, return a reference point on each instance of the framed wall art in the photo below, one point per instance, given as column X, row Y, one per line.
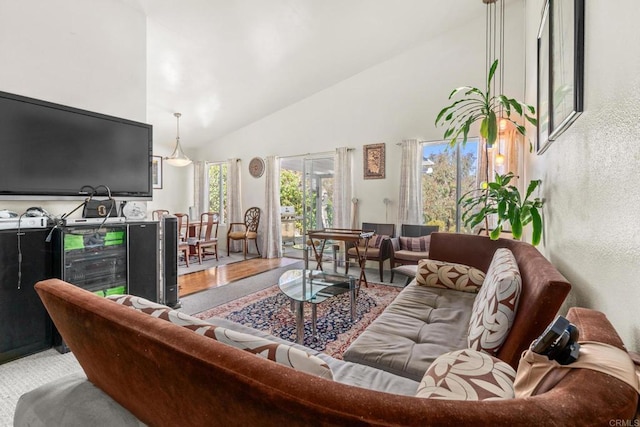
column 566, row 59
column 560, row 68
column 374, row 161
column 542, row 105
column 156, row 172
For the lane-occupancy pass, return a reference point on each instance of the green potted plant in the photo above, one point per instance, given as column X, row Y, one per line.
column 504, row 200
column 496, row 197
column 484, row 107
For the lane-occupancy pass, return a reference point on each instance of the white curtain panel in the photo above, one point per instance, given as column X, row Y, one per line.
column 234, row 197
column 271, row 229
column 342, row 188
column 410, row 198
column 201, row 187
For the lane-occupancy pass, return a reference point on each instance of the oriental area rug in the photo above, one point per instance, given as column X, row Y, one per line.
column 270, row 310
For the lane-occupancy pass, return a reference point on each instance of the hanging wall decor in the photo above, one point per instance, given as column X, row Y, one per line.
column 156, row 172
column 561, row 63
column 374, row 161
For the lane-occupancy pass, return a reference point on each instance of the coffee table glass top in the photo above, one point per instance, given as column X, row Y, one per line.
column 313, row 286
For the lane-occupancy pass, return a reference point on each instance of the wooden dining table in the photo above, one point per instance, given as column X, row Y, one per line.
column 343, row 235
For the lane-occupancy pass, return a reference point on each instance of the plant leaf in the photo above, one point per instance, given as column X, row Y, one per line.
column 536, row 224
column 492, row 127
column 516, row 223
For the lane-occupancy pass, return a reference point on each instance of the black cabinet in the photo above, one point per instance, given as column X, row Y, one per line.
column 108, row 259
column 25, row 326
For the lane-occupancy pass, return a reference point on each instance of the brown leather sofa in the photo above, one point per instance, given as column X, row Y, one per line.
column 164, row 374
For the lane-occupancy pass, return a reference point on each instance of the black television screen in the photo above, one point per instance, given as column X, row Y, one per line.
column 50, row 151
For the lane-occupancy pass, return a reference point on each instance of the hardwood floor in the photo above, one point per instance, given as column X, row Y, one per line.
column 216, row 276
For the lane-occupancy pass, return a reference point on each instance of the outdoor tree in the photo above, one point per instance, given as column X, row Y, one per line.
column 439, row 188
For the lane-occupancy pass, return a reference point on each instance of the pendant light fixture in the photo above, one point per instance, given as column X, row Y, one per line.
column 178, row 158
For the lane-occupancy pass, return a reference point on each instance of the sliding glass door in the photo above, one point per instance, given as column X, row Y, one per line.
column 306, row 195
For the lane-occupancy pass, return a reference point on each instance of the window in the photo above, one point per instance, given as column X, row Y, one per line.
column 217, row 175
column 447, row 174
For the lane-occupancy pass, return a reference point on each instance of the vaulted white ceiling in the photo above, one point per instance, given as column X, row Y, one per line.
column 224, row 64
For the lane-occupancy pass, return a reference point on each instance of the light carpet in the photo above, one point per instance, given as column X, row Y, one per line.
column 270, row 310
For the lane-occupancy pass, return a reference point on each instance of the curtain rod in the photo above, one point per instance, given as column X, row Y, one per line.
column 322, row 153
column 423, row 140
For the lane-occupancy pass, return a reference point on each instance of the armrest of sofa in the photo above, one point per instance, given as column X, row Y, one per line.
column 544, row 289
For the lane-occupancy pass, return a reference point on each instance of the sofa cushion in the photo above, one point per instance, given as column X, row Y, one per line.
column 440, row 274
column 468, row 375
column 277, row 352
column 415, row 244
column 413, row 256
column 419, row 325
column 495, row 306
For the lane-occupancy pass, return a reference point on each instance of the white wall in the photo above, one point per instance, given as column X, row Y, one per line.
column 590, row 174
column 395, row 100
column 89, row 55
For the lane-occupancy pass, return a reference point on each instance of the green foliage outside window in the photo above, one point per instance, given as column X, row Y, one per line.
column 218, row 189
column 439, row 195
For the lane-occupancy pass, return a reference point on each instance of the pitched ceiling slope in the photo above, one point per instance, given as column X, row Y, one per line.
column 225, row 64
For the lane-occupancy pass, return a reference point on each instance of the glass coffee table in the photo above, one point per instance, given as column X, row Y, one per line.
column 315, row 286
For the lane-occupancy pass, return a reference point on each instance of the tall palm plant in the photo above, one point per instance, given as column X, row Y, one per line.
column 485, row 107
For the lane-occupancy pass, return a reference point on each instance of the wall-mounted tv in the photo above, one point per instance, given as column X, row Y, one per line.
column 49, row 151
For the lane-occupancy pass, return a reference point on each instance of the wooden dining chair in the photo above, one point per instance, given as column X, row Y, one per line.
column 158, row 214
column 183, row 235
column 183, row 226
column 245, row 231
column 207, row 236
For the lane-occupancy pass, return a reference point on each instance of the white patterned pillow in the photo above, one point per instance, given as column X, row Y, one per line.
column 440, row 274
column 495, row 306
column 280, row 353
column 467, row 375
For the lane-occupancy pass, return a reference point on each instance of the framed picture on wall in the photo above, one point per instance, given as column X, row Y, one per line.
column 156, row 172
column 542, row 106
column 566, row 29
column 560, row 69
column 374, row 161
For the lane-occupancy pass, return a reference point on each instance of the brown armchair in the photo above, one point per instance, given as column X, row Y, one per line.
column 245, row 231
column 379, row 247
column 207, row 236
column 406, row 249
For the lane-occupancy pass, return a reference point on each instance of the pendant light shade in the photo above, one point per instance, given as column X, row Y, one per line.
column 178, row 158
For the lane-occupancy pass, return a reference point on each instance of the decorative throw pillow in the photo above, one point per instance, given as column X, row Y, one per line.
column 280, row 353
column 415, row 244
column 376, row 240
column 467, row 375
column 495, row 306
column 440, row 274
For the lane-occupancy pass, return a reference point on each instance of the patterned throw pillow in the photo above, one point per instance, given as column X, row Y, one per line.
column 495, row 306
column 440, row 274
column 415, row 244
column 467, row 375
column 376, row 240
column 280, row 353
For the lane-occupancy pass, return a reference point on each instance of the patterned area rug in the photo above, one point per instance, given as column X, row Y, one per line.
column 270, row 310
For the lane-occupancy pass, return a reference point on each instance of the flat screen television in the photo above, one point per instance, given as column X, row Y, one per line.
column 50, row 151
